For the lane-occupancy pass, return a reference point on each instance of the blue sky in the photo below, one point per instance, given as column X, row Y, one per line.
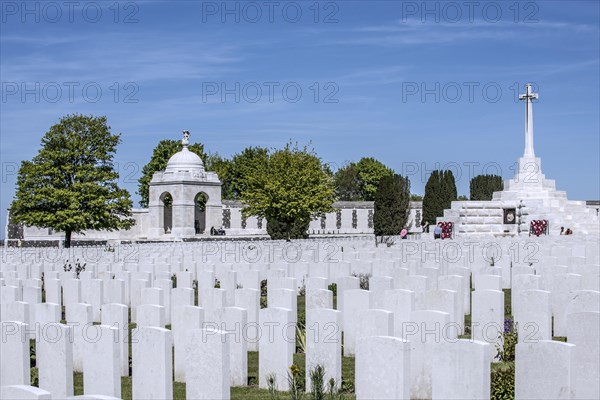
column 412, row 85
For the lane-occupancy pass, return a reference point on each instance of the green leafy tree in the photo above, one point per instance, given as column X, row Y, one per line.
column 222, row 166
column 242, row 166
column 359, row 181
column 370, row 171
column 440, row 192
column 289, row 189
column 482, row 187
column 158, row 162
column 347, row 183
column 71, row 184
column 392, row 203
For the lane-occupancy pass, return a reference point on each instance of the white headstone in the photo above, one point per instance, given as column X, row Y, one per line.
column 533, row 315
column 461, row 370
column 102, row 363
column 71, row 291
column 382, row 368
column 232, row 321
column 276, row 346
column 400, row 303
column 181, row 297
column 114, row 291
column 229, row 284
column 54, row 358
column 185, row 318
column 24, row 392
column 150, row 315
column 116, row 316
column 487, row 319
column 583, row 330
column 14, row 347
column 184, row 279
column 136, row 295
column 152, row 363
column 564, row 287
column 9, row 294
column 32, row 295
column 18, row 311
column 79, row 315
column 249, row 299
column 153, row 295
column 426, row 330
column 45, row 313
column 374, row 322
column 249, row 279
column 324, row 344
column 283, row 298
column 543, row 370
column 52, row 287
column 166, row 285
column 378, row 286
column 207, row 365
column 354, row 301
column 441, row 300
column 95, row 297
column 487, row 282
column 345, row 283
column 319, row 298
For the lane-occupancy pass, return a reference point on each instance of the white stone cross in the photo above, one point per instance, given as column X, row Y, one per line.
column 528, row 97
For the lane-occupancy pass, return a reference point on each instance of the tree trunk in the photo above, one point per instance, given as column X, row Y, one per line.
column 67, row 239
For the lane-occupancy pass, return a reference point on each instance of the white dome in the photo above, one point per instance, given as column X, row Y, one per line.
column 184, row 160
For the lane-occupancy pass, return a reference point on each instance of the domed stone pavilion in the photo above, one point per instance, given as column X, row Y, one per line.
column 185, row 199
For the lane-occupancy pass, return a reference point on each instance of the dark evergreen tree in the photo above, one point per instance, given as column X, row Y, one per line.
column 392, row 202
column 482, row 187
column 431, row 200
column 440, row 192
column 450, row 192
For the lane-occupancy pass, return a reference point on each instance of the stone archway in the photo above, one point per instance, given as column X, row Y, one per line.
column 200, row 213
column 166, row 213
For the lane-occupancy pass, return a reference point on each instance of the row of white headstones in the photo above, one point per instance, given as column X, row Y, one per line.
column 403, row 331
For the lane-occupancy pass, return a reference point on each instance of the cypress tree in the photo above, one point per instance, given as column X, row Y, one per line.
column 392, row 201
column 440, row 192
column 482, row 187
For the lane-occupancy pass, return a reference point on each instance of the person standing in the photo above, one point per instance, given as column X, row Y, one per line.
column 437, row 232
